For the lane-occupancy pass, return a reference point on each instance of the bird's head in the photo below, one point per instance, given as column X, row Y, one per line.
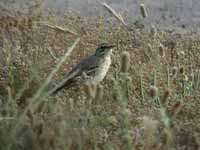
column 104, row 49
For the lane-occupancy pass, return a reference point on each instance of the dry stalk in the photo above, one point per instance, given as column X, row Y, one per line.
column 118, row 16
column 60, row 29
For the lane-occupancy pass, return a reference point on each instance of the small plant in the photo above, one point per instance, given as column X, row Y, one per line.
column 143, row 10
column 174, row 72
column 153, row 92
column 99, row 92
column 197, row 80
column 161, row 50
column 153, row 31
column 125, row 62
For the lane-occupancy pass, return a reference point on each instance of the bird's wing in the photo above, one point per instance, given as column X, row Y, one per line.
column 87, row 66
column 67, row 82
column 90, row 65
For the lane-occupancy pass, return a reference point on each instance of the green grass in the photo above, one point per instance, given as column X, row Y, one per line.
column 125, row 113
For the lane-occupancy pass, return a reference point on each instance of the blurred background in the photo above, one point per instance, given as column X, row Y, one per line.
column 167, row 13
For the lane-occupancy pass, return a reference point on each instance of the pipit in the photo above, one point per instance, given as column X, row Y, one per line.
column 90, row 71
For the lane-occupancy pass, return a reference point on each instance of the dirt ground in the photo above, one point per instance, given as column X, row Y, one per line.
column 166, row 13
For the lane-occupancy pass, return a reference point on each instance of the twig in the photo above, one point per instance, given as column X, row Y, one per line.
column 60, row 29
column 141, row 88
column 52, row 54
column 113, row 12
column 45, row 84
column 49, row 78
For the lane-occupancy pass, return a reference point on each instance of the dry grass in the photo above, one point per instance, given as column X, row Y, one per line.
column 123, row 114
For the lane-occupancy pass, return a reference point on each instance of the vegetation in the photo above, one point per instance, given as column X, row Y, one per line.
column 148, row 100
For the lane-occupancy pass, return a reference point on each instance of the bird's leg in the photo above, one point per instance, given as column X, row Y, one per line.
column 90, row 89
column 94, row 89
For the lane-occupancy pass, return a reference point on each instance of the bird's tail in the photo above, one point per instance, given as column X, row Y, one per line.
column 64, row 84
column 68, row 82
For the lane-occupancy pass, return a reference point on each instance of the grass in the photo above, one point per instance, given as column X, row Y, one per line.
column 148, row 100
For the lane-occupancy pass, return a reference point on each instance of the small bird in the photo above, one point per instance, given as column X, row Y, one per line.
column 90, row 71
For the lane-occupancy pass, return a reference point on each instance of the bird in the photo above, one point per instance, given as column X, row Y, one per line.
column 89, row 71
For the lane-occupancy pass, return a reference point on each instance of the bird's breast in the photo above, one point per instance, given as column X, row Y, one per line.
column 101, row 71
